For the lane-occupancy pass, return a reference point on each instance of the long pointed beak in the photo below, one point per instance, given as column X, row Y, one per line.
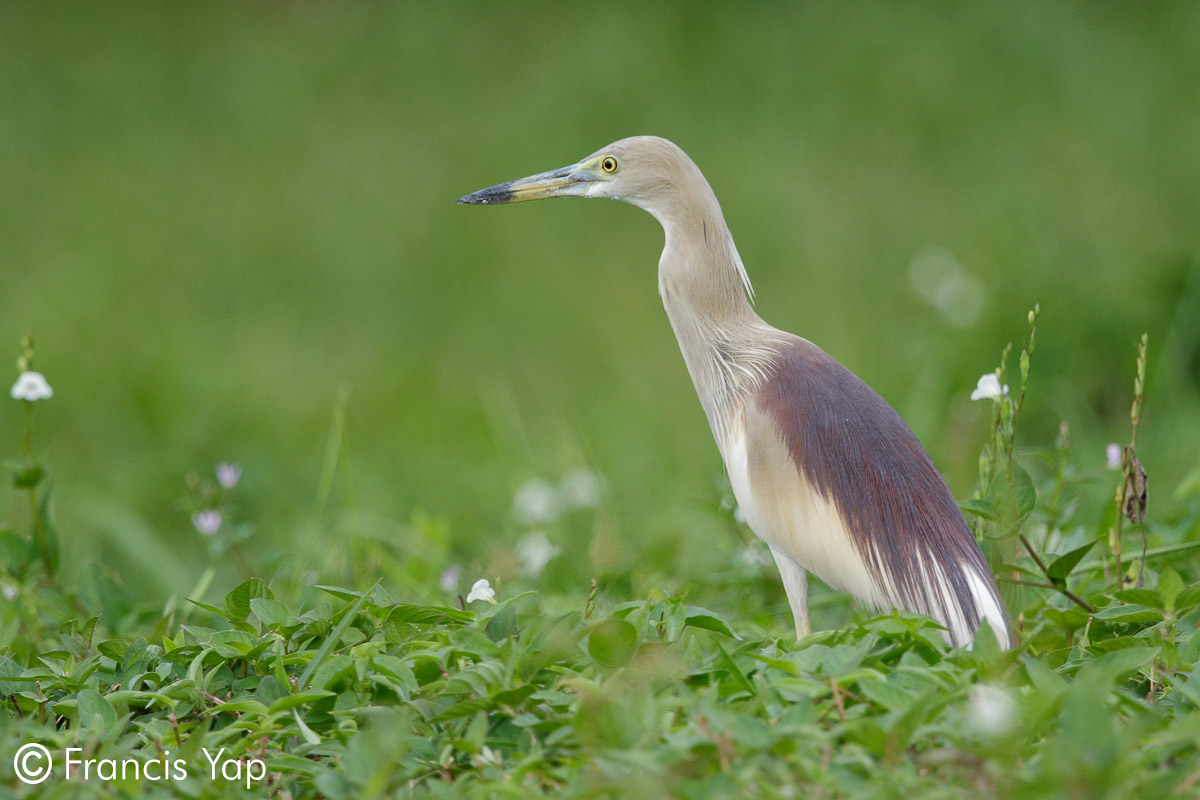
column 563, row 182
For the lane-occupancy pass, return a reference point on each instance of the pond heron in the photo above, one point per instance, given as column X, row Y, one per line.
column 824, row 470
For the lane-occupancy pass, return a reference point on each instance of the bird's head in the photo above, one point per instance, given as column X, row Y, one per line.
column 641, row 170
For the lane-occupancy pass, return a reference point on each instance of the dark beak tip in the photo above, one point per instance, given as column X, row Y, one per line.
column 501, row 193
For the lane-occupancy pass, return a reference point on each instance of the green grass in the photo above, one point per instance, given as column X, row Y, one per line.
column 231, row 228
column 291, row 688
column 357, row 695
column 367, row 697
column 216, row 217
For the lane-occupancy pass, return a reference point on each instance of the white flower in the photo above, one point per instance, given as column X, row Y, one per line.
column 1112, row 456
column 31, row 386
column 992, row 710
column 755, row 555
column 207, row 522
column 534, row 551
column 944, row 284
column 536, row 502
column 228, row 474
column 482, row 590
column 739, row 516
column 989, row 388
column 580, row 488
column 449, row 578
column 9, row 592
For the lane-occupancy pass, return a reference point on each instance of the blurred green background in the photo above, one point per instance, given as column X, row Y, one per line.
column 215, row 216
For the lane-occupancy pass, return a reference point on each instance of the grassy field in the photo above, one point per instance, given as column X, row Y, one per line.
column 231, row 229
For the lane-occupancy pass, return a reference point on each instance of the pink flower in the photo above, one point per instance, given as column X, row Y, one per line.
column 1112, row 456
column 228, row 474
column 449, row 578
column 207, row 522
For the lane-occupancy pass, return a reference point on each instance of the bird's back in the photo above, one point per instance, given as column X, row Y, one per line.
column 833, row 477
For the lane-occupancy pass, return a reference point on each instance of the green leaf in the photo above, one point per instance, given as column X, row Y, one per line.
column 777, row 663
column 395, row 631
column 612, row 643
column 26, row 476
column 114, row 649
column 332, row 670
column 293, row 765
column 381, row 597
column 269, row 690
column 884, row 694
column 674, row 618
column 1189, row 687
column 1061, row 567
column 237, row 602
column 1188, row 597
column 514, row 697
column 232, row 644
column 1170, row 585
column 1126, row 614
column 738, row 676
column 467, row 708
column 703, row 618
column 395, row 667
column 1191, row 650
column 1044, row 679
column 1103, row 646
column 980, row 508
column 493, row 610
column 1140, row 597
column 95, row 712
column 468, row 640
column 502, row 625
column 430, row 615
column 337, row 591
column 985, row 644
column 1122, row 662
column 220, row 612
column 476, row 731
column 298, row 699
column 272, row 612
column 15, row 551
column 9, row 669
column 243, row 706
column 327, row 645
column 1026, row 492
column 46, row 533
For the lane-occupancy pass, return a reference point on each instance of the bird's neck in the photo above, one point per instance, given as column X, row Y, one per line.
column 701, row 280
column 700, row 273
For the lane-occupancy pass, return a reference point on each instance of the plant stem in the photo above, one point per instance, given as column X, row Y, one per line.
column 1037, row 559
column 1135, row 418
column 28, row 431
column 1074, row 598
column 1042, row 566
column 39, row 530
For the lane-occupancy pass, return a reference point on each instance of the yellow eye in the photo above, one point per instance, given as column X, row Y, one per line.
column 609, row 165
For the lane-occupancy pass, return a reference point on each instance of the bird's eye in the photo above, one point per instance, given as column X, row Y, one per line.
column 609, row 165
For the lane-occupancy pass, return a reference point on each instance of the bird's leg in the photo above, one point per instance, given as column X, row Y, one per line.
column 795, row 583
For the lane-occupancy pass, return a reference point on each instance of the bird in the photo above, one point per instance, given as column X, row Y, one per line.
column 825, row 471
